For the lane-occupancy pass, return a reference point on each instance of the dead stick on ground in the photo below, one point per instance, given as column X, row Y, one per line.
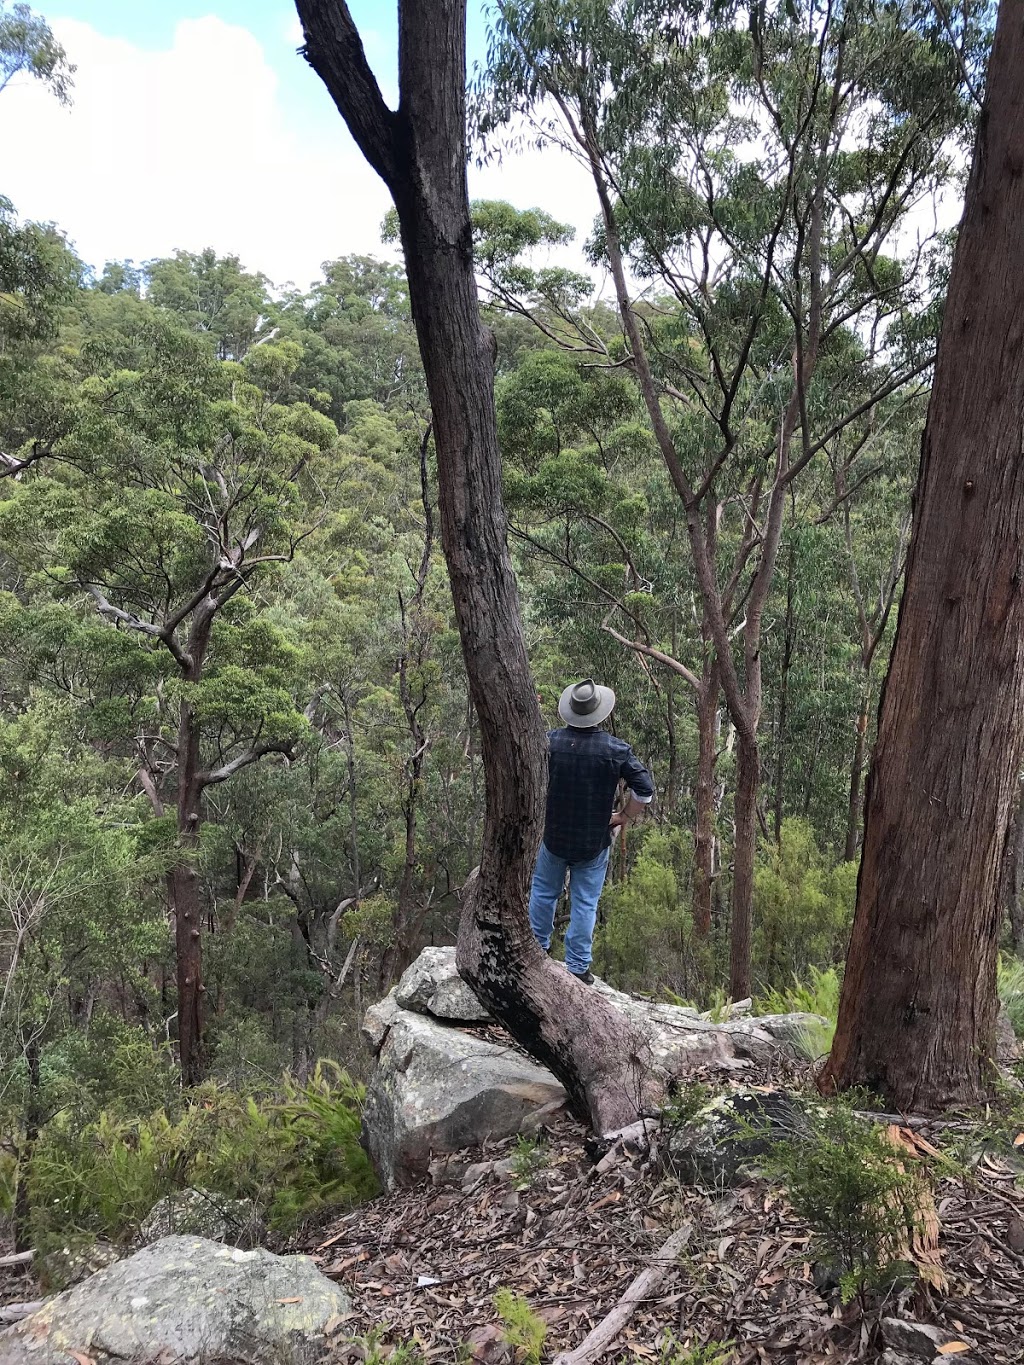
column 14, row 1312
column 606, row 1333
column 17, row 1258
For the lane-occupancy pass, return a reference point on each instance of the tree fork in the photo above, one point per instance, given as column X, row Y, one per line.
column 420, row 153
column 918, row 1007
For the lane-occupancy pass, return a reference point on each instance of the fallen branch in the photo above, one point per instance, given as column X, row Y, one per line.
column 17, row 1258
column 606, row 1333
column 14, row 1312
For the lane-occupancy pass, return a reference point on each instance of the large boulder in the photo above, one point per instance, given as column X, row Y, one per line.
column 185, row 1299
column 436, row 1089
column 203, row 1213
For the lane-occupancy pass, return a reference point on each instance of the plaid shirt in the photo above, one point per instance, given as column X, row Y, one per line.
column 585, row 767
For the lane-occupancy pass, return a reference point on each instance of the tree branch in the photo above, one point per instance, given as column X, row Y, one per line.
column 212, row 776
column 335, row 51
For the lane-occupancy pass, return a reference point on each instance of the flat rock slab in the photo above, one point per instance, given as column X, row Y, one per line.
column 437, row 1089
column 185, row 1299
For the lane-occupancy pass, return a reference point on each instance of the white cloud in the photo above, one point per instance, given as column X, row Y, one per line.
column 187, row 147
column 191, row 147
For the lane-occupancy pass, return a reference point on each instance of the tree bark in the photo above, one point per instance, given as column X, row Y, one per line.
column 788, row 646
column 183, row 881
column 857, row 774
column 918, row 1007
column 748, row 777
column 707, row 754
column 420, row 153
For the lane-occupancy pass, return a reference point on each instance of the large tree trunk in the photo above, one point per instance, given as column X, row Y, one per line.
column 918, row 1007
column 420, row 152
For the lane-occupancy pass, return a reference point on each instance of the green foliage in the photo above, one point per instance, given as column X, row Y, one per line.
column 372, row 1350
column 685, row 1103
column 803, row 908
column 528, row 1158
column 818, row 993
column 1010, row 981
column 293, row 1156
column 27, row 45
column 672, row 1352
column 521, row 1327
column 863, row 1200
column 646, row 938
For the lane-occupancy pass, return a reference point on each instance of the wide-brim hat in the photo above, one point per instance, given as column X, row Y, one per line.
column 586, row 703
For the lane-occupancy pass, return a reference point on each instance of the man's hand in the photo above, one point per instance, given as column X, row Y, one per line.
column 621, row 818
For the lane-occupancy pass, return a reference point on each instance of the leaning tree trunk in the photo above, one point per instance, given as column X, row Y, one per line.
column 420, row 153
column 918, row 1008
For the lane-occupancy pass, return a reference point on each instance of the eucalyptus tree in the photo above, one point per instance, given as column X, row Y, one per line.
column 215, row 297
column 28, row 47
column 419, row 150
column 760, row 167
column 179, row 486
column 39, row 277
column 918, row 1008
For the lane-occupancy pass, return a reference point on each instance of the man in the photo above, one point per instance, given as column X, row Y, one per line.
column 585, row 766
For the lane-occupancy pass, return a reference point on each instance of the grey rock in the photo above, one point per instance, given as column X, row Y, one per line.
column 917, row 1339
column 69, row 1265
column 202, row 1213
column 730, row 1135
column 432, row 985
column 184, row 1300
column 378, row 1019
column 437, row 1089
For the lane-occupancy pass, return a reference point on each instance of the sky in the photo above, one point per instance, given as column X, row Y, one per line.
column 195, row 123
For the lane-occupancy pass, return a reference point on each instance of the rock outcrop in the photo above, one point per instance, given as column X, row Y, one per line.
column 438, row 1088
column 185, row 1299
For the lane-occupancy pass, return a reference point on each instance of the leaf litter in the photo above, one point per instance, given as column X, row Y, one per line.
column 423, row 1264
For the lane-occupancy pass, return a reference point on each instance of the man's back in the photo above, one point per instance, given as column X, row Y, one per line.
column 585, row 767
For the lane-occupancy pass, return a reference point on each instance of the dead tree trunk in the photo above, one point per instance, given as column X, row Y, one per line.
column 419, row 151
column 918, row 1008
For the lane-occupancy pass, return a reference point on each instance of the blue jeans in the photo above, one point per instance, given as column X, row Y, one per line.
column 586, row 881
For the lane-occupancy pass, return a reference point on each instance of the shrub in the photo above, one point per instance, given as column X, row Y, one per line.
column 803, row 908
column 292, row 1158
column 817, row 993
column 646, row 939
column 866, row 1203
column 523, row 1329
column 1010, row 982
